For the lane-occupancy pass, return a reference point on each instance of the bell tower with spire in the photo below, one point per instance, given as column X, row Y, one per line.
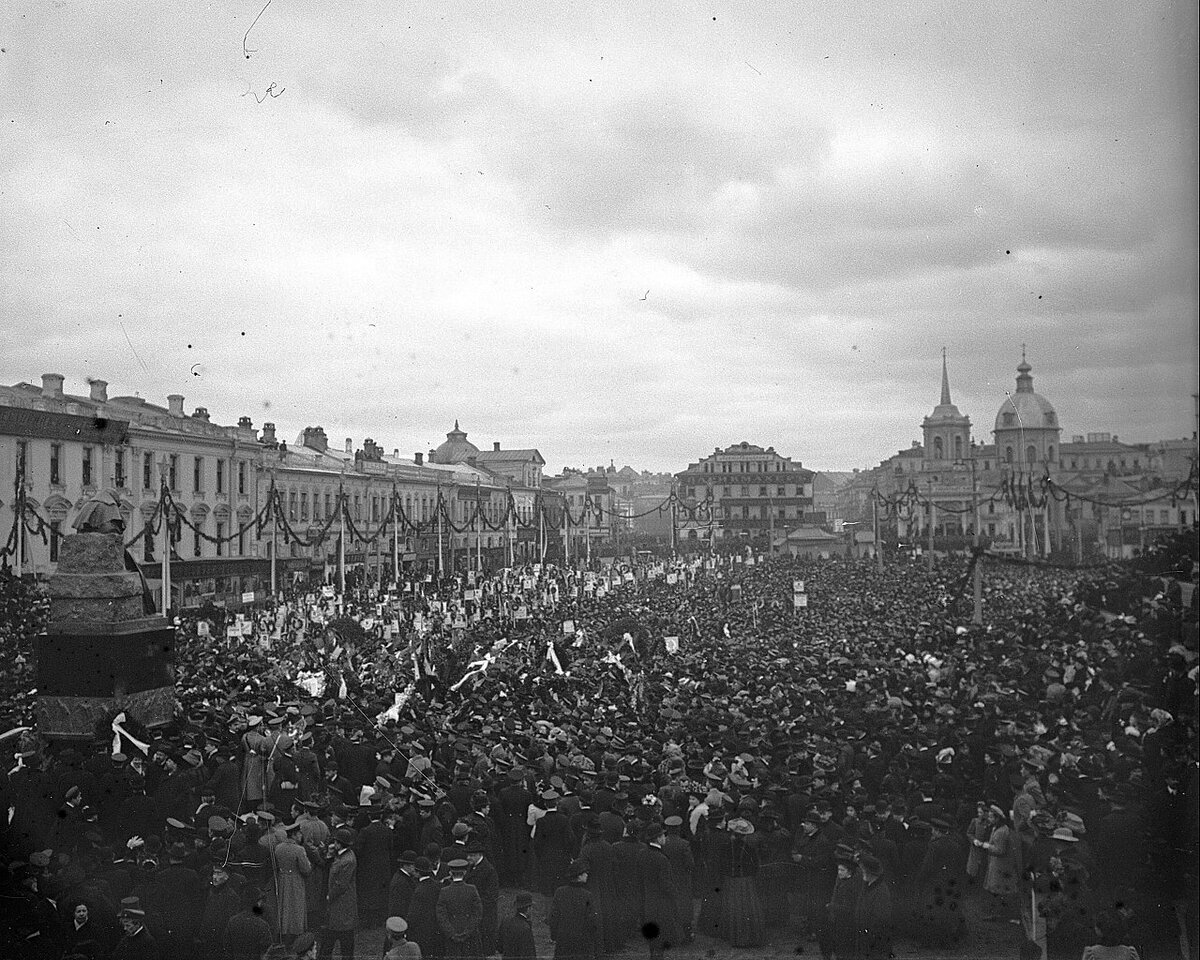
column 947, row 432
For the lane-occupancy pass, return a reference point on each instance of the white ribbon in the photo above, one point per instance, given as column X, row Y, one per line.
column 552, row 656
column 119, row 732
column 476, row 668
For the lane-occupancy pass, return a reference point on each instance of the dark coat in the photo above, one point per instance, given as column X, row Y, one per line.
column 342, row 898
column 400, row 892
column 574, row 924
column 554, row 845
column 141, row 946
column 660, row 914
column 247, row 936
column 459, row 914
column 873, row 922
column 373, row 851
column 423, row 928
column 515, row 939
column 484, row 879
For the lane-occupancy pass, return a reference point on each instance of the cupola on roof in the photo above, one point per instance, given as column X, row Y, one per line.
column 456, row 449
column 1024, row 409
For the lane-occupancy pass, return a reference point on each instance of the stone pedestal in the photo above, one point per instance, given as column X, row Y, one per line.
column 101, row 654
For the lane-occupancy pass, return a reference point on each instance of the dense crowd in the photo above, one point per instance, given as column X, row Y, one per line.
column 653, row 754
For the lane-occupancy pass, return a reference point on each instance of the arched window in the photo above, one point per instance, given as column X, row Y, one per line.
column 1030, row 454
column 958, row 448
column 1050, row 453
column 938, row 452
column 1008, row 455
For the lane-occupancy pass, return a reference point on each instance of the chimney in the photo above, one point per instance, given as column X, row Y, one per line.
column 201, row 414
column 431, row 455
column 349, row 445
column 420, row 458
column 268, row 432
column 175, row 404
column 245, row 423
column 99, row 390
column 495, row 446
column 396, row 452
column 52, row 384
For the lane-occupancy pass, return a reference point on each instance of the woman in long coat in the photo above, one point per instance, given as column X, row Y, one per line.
column 742, row 922
column 291, row 867
column 1003, row 850
column 980, row 829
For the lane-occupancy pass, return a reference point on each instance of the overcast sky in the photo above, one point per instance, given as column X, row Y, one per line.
column 622, row 230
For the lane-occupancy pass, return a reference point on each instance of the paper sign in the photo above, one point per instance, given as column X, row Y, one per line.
column 797, row 586
column 522, row 613
column 233, row 631
column 568, row 626
column 202, row 629
column 799, row 600
column 672, row 644
column 672, row 579
column 327, row 591
column 248, row 597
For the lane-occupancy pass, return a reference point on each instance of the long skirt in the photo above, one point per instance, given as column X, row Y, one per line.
column 708, row 922
column 772, row 883
column 742, row 923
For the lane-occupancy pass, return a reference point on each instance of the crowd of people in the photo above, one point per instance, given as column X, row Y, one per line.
column 641, row 757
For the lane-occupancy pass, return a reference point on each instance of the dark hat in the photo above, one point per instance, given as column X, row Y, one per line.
column 344, row 836
column 303, row 943
column 408, row 856
column 523, row 900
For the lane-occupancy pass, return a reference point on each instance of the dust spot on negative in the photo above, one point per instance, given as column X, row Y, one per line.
column 650, row 930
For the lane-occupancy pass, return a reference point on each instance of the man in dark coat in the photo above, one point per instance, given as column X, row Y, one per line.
column 423, row 928
column 460, row 913
column 136, row 942
column 553, row 844
column 482, row 876
column 683, row 864
column 247, row 934
column 574, row 923
column 341, row 897
column 660, row 922
column 404, row 882
column 174, row 903
column 374, row 855
column 873, row 913
column 939, row 884
column 515, row 940
column 602, row 882
column 222, row 904
column 514, row 806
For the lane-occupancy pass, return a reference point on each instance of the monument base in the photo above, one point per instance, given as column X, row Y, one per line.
column 75, row 718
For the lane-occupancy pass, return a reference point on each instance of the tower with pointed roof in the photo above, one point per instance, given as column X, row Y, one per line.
column 1027, row 430
column 947, row 432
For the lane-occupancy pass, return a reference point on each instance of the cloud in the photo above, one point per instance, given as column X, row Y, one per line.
column 607, row 230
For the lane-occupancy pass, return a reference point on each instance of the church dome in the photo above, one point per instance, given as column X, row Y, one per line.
column 456, row 449
column 1026, row 410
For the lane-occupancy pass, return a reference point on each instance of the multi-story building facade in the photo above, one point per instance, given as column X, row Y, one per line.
column 755, row 494
column 69, row 447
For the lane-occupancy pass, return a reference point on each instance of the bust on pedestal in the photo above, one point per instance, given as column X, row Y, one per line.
column 104, row 651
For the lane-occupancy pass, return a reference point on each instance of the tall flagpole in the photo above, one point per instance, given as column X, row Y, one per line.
column 478, row 531
column 273, row 509
column 566, row 533
column 163, row 466
column 438, row 508
column 508, row 527
column 395, row 538
column 342, row 540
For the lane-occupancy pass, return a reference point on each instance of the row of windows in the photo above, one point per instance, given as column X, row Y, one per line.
column 89, row 470
column 778, row 466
